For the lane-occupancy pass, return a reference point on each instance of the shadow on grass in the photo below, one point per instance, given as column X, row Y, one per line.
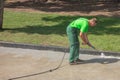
column 106, row 25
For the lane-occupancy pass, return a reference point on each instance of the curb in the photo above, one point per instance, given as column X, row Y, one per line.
column 55, row 48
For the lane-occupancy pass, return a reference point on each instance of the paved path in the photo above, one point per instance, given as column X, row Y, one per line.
column 16, row 62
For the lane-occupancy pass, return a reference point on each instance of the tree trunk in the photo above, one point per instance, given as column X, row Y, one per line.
column 1, row 12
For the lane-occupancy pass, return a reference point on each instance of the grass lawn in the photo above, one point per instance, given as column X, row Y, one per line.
column 50, row 29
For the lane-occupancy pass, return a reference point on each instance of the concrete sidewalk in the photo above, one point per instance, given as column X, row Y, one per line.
column 17, row 62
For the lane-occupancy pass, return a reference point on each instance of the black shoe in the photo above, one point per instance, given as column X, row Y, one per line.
column 72, row 63
column 78, row 61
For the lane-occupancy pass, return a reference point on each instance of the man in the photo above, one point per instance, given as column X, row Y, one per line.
column 75, row 28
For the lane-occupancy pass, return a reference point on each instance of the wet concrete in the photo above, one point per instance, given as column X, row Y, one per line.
column 17, row 62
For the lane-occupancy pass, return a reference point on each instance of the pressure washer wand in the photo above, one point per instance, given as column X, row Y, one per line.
column 93, row 47
column 101, row 54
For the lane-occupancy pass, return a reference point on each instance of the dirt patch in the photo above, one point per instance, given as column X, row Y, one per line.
column 62, row 7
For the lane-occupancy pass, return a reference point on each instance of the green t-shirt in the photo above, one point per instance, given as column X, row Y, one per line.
column 81, row 23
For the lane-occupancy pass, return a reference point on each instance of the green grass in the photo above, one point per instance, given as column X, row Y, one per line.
column 50, row 29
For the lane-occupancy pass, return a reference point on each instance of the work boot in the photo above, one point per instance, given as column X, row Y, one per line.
column 72, row 63
column 78, row 61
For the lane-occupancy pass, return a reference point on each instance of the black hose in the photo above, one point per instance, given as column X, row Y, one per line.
column 43, row 71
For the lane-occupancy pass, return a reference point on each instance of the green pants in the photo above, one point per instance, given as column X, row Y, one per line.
column 72, row 34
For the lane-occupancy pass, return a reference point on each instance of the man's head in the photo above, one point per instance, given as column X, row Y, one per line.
column 93, row 22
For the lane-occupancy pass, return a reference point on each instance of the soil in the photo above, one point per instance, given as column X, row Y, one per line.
column 65, row 7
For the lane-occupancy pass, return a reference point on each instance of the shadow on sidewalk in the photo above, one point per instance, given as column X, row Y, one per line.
column 102, row 60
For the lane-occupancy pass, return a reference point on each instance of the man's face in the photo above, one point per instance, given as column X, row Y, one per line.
column 92, row 23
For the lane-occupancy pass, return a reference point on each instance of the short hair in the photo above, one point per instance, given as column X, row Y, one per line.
column 95, row 20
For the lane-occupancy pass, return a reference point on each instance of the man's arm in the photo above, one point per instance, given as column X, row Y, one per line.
column 85, row 39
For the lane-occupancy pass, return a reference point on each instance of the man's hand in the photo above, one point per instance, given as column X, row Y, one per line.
column 89, row 44
column 83, row 43
column 85, row 40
